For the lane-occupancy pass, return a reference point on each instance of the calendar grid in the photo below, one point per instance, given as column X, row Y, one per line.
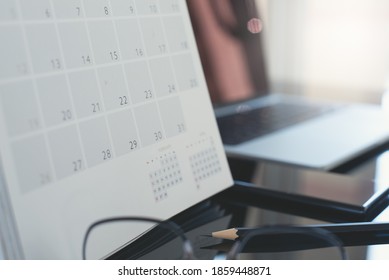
column 82, row 18
column 98, row 104
column 75, row 70
column 110, row 148
column 48, row 175
column 170, row 61
column 83, row 66
column 183, row 125
column 125, row 81
column 149, row 73
column 75, row 122
column 83, row 163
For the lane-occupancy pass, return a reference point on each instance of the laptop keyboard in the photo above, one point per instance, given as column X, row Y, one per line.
column 241, row 127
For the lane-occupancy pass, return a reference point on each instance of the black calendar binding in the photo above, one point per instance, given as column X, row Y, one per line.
column 150, row 244
column 309, row 205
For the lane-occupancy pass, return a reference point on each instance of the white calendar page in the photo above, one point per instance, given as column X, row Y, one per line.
column 104, row 112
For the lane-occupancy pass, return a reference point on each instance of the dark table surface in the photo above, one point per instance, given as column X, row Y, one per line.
column 353, row 182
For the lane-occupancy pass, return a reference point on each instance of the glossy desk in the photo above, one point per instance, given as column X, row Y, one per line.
column 365, row 175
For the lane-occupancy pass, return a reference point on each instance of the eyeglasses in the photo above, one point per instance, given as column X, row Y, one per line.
column 171, row 231
column 166, row 232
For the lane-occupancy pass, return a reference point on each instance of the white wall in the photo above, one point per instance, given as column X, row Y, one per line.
column 329, row 48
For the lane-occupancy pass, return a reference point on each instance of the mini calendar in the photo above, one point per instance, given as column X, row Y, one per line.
column 104, row 112
column 204, row 160
column 165, row 173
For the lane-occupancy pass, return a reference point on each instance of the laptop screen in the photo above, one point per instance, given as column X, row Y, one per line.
column 229, row 41
column 104, row 111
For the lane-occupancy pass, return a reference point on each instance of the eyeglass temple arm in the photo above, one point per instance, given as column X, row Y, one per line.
column 167, row 224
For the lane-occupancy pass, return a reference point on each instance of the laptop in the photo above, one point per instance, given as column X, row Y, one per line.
column 257, row 123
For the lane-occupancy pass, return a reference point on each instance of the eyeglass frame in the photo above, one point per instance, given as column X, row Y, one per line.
column 238, row 246
column 167, row 224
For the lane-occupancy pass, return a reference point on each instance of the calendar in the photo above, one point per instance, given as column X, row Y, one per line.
column 104, row 111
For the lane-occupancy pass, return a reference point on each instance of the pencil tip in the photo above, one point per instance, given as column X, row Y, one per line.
column 226, row 234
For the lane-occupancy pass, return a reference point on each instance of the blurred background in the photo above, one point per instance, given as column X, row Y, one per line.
column 336, row 49
column 328, row 49
column 333, row 49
